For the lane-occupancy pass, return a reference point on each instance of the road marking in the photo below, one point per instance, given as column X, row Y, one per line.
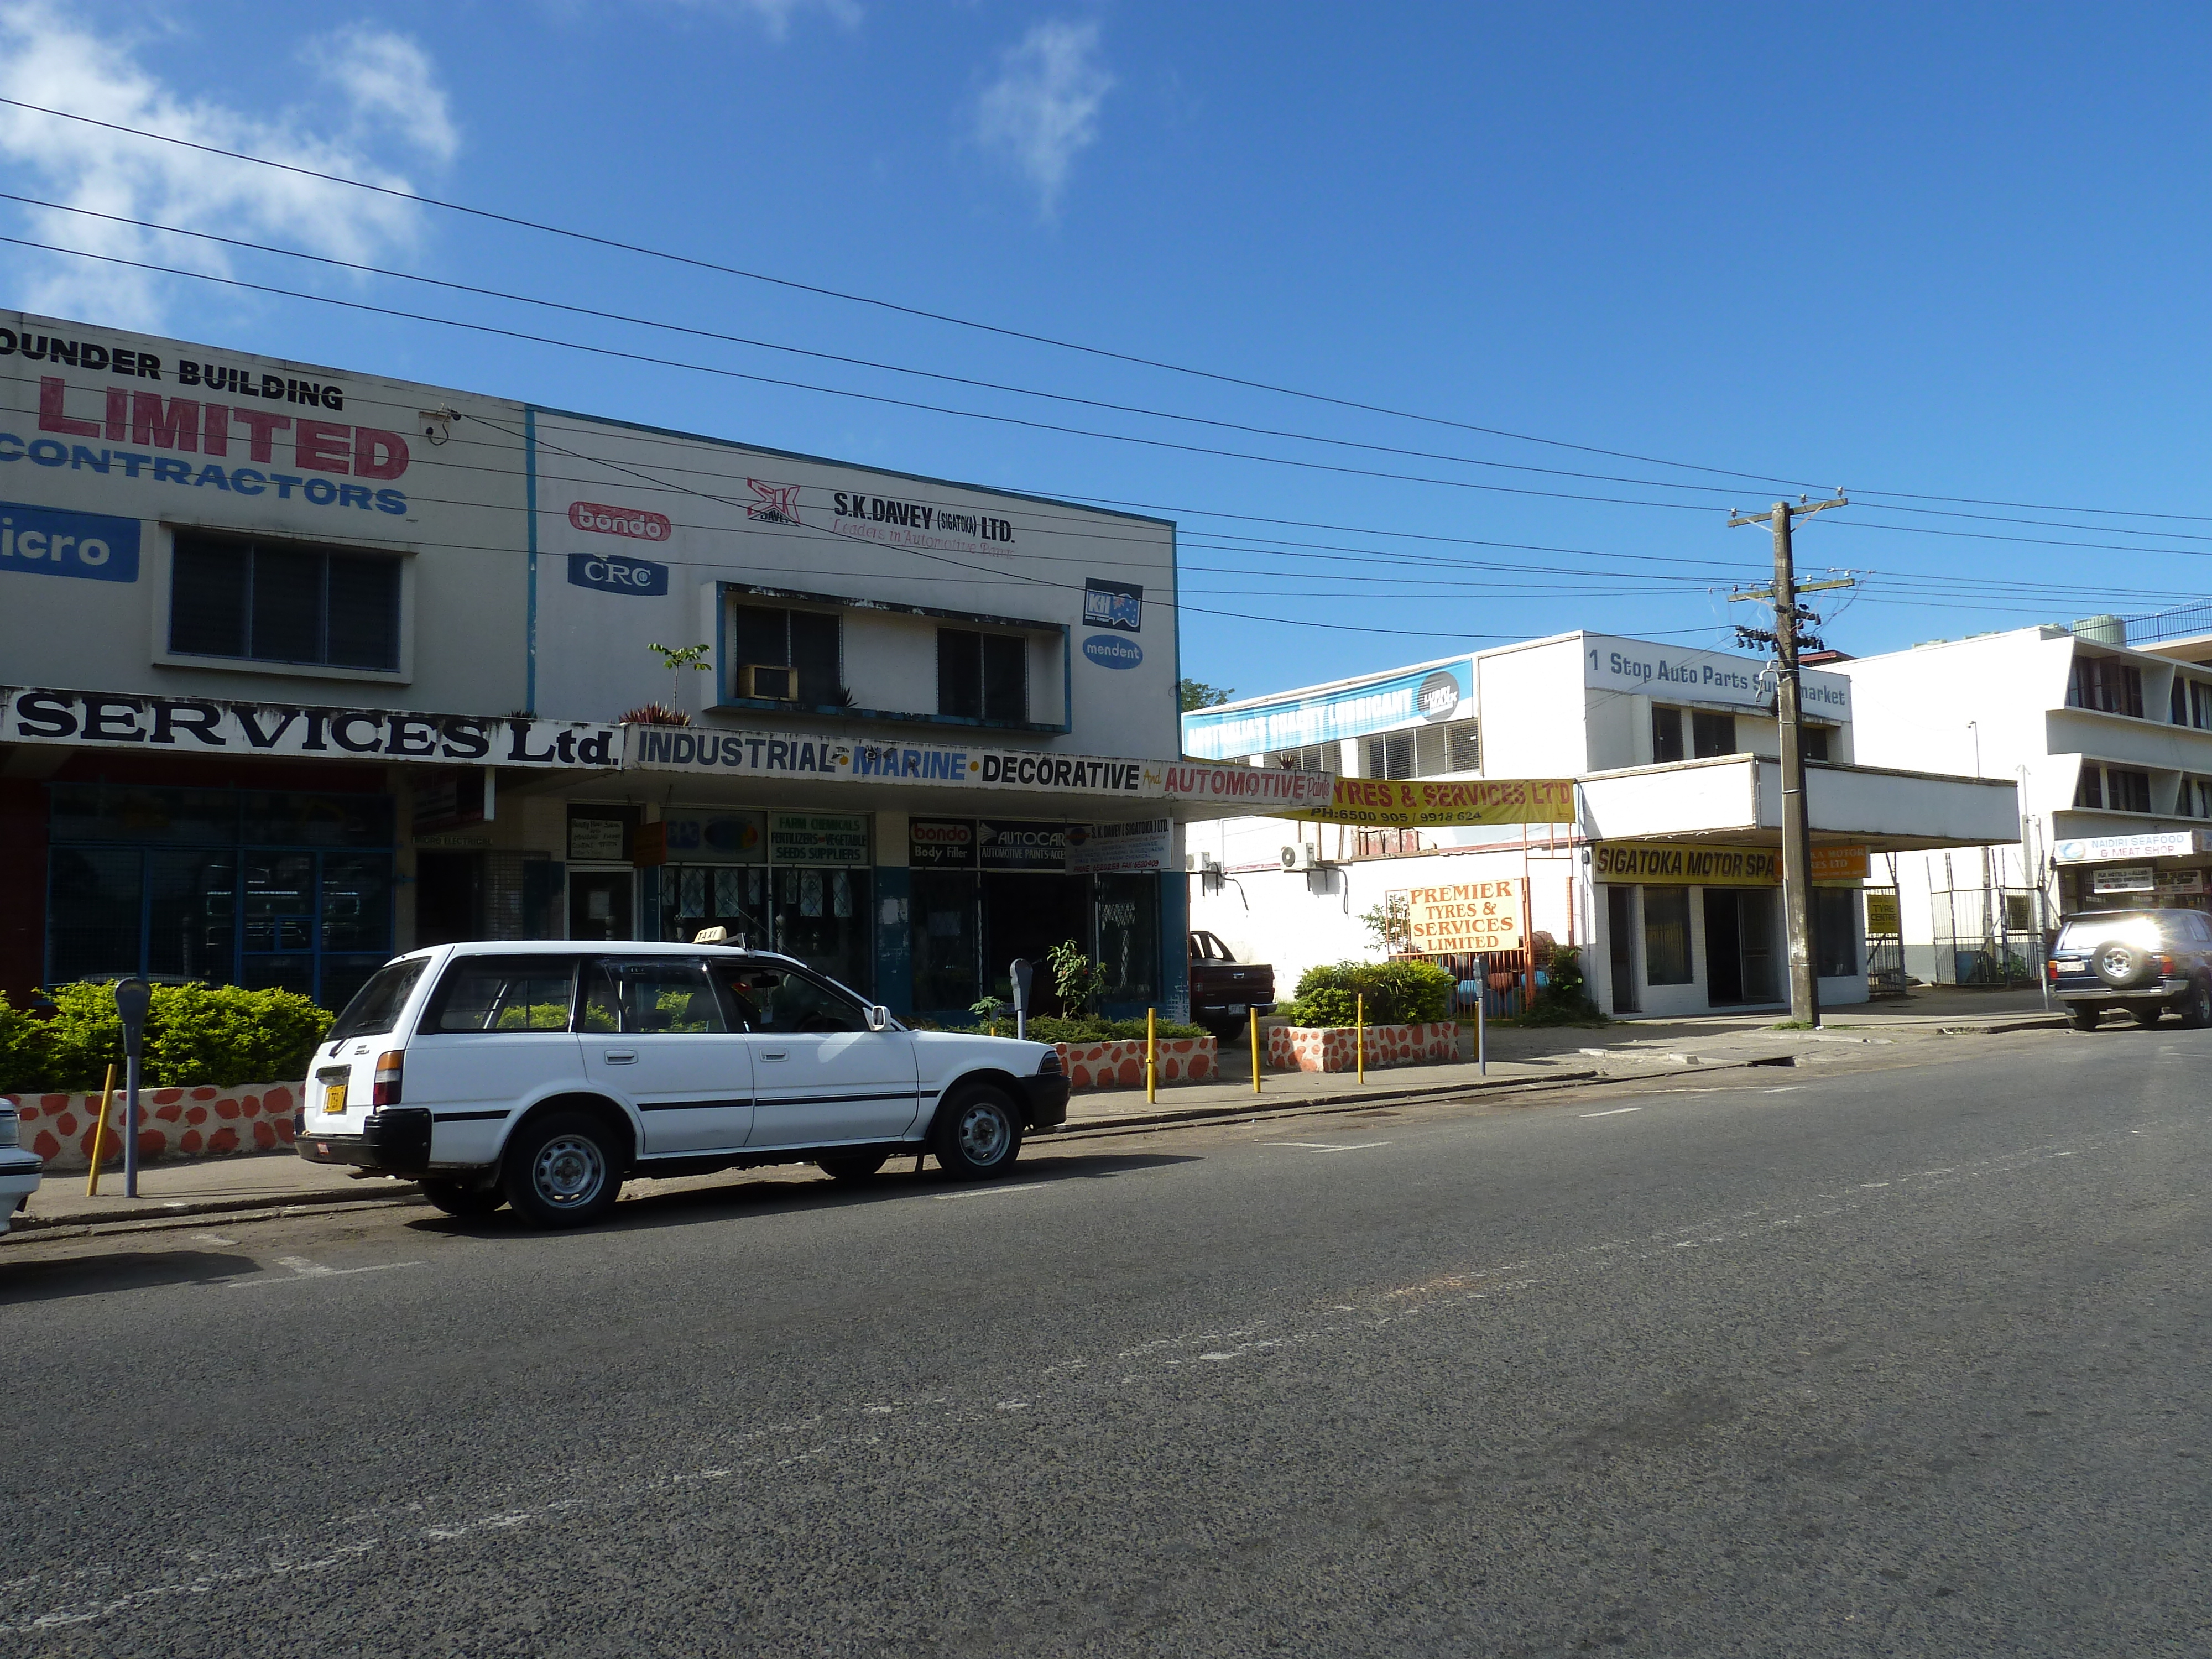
column 1615, row 1112
column 303, row 1270
column 212, row 1238
column 1868, row 1186
column 1330, row 1145
column 1790, row 1088
column 993, row 1192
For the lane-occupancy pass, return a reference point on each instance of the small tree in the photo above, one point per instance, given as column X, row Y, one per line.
column 676, row 660
column 1077, row 978
column 1386, row 923
column 1197, row 694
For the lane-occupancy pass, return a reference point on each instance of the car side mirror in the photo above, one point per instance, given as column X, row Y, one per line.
column 879, row 1018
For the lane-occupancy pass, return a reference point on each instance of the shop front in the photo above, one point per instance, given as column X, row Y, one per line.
column 2169, row 870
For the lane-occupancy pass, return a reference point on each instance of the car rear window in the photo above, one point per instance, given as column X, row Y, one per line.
column 509, row 993
column 2086, row 933
column 375, row 1007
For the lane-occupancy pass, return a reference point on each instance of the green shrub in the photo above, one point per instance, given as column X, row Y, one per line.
column 1407, row 992
column 195, row 1035
column 1091, row 1028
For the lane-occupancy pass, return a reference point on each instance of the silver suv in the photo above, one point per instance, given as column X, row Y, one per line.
column 2144, row 961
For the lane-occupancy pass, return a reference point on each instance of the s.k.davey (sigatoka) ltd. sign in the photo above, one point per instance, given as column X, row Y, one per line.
column 202, row 725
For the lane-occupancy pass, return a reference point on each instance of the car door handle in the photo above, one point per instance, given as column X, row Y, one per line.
column 777, row 1054
column 622, row 1056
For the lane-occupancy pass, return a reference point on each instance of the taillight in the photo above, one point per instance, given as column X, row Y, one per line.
column 388, row 1066
column 2053, row 966
column 2165, row 966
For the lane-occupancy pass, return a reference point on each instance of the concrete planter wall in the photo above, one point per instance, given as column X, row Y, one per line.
column 1332, row 1048
column 177, row 1123
column 1121, row 1065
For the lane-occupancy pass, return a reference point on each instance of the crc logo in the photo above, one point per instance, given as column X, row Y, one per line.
column 633, row 522
column 610, row 574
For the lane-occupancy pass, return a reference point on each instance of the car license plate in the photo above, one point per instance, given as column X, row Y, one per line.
column 1235, row 1008
column 334, row 1098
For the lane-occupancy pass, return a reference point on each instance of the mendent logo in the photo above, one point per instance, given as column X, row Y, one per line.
column 1109, row 651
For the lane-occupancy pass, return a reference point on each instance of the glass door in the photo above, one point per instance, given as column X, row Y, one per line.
column 602, row 905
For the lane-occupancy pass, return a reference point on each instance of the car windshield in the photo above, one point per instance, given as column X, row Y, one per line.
column 2126, row 927
column 375, row 1007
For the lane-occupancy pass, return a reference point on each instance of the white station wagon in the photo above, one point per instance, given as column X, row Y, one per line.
column 542, row 1074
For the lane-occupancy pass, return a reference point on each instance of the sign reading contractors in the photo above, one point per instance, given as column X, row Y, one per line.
column 848, row 760
column 1466, row 915
column 200, row 726
column 1443, row 803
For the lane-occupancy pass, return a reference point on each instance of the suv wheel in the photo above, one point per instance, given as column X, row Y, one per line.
column 456, row 1199
column 2119, row 963
column 2196, row 1005
column 561, row 1171
column 2085, row 1015
column 977, row 1134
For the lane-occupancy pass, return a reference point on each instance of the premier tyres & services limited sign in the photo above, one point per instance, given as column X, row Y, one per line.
column 1467, row 915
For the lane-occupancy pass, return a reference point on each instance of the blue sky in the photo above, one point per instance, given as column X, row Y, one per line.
column 1955, row 252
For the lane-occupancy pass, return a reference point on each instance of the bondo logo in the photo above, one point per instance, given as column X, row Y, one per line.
column 630, row 521
column 940, row 835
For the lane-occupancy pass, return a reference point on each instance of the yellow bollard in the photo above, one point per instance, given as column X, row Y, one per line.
column 1360, row 1033
column 1254, row 1013
column 99, row 1134
column 1151, row 1056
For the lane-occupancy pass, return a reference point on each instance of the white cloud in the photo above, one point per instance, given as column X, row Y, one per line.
column 1043, row 108
column 387, row 95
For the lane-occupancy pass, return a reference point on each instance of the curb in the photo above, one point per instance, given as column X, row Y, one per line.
column 1261, row 1107
column 158, row 1212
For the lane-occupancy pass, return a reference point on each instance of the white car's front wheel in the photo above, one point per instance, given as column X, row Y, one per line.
column 977, row 1134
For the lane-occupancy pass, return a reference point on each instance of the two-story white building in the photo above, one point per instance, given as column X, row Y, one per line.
column 2112, row 747
column 1664, row 866
column 300, row 666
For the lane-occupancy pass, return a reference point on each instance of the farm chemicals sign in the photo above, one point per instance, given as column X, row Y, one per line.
column 1443, row 804
column 1467, row 915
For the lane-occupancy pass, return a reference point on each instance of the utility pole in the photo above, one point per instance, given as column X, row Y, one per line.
column 1797, row 836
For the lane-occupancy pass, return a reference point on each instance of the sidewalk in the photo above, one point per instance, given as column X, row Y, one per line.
column 1519, row 1059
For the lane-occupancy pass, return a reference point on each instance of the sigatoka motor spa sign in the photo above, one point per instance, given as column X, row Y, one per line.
column 201, row 725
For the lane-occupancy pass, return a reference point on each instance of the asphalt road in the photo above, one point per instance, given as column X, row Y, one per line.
column 1904, row 1361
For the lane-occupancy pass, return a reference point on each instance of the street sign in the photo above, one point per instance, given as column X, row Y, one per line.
column 132, row 998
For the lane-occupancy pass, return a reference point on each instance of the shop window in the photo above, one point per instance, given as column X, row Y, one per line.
column 2089, row 788
column 983, row 677
column 1666, row 735
column 281, row 602
column 2126, row 791
column 2107, row 684
column 1390, row 756
column 1667, row 936
column 2178, row 703
column 2194, row 798
column 1813, row 746
column 807, row 642
column 1127, row 914
column 1314, row 758
column 1711, row 735
column 945, row 912
column 1456, row 747
column 1835, row 932
column 2200, row 705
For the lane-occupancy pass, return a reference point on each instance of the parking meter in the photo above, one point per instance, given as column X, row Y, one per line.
column 132, row 998
column 1022, row 972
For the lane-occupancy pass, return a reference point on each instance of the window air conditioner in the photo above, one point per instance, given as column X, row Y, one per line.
column 775, row 685
column 1306, row 855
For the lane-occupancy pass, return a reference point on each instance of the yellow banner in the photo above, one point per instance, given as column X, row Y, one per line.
column 1467, row 915
column 1693, row 864
column 1443, row 804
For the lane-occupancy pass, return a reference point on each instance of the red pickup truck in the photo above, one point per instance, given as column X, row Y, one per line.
column 1224, row 990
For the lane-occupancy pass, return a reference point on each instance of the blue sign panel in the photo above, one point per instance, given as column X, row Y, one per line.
column 50, row 544
column 1109, row 651
column 1417, row 697
column 610, row 574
